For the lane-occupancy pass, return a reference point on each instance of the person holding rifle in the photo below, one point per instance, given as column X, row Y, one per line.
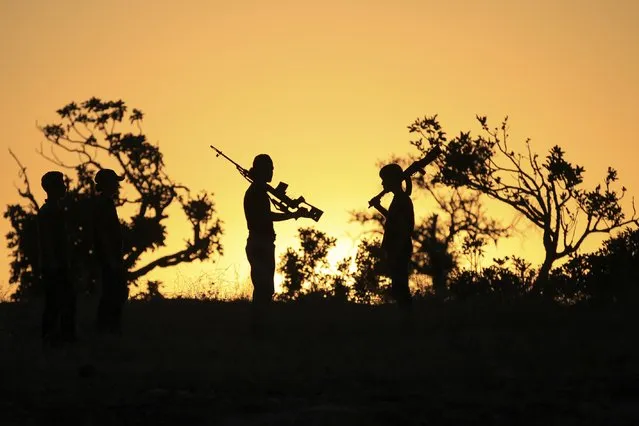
column 260, row 245
column 397, row 243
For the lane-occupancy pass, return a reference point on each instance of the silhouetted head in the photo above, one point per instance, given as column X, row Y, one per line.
column 107, row 182
column 262, row 170
column 54, row 185
column 392, row 177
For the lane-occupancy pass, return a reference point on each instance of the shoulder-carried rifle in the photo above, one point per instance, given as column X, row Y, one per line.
column 278, row 196
column 415, row 167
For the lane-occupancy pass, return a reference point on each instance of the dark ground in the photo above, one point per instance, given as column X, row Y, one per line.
column 193, row 363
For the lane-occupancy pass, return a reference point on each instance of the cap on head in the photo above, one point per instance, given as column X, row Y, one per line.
column 104, row 176
column 51, row 179
column 391, row 173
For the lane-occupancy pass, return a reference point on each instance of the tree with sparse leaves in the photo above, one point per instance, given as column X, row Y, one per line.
column 548, row 192
column 90, row 136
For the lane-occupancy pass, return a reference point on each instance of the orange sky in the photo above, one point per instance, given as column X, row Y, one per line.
column 326, row 88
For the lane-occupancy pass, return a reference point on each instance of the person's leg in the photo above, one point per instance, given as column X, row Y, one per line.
column 401, row 292
column 400, row 288
column 254, row 261
column 120, row 297
column 51, row 311
column 261, row 256
column 104, row 307
column 68, row 309
column 116, row 293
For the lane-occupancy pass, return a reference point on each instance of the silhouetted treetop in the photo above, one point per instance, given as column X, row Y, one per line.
column 97, row 134
column 547, row 192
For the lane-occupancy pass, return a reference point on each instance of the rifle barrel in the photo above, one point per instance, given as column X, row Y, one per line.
column 277, row 195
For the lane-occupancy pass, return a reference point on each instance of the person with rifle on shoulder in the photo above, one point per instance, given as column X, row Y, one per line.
column 260, row 245
column 397, row 243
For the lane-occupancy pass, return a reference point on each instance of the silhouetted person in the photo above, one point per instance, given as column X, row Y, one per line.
column 260, row 246
column 58, row 317
column 108, row 248
column 397, row 244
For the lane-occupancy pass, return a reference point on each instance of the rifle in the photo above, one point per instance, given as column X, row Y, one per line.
column 417, row 166
column 278, row 194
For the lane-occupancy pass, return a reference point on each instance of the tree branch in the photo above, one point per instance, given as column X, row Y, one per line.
column 25, row 178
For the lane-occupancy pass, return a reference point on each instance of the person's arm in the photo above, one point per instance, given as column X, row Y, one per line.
column 278, row 216
column 104, row 242
column 378, row 206
column 42, row 244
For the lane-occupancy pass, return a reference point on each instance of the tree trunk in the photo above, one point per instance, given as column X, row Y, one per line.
column 440, row 278
column 542, row 285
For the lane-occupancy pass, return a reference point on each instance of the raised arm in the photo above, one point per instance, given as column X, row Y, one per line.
column 378, row 206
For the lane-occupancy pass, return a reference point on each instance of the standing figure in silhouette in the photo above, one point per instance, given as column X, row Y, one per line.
column 397, row 244
column 260, row 246
column 58, row 317
column 108, row 248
